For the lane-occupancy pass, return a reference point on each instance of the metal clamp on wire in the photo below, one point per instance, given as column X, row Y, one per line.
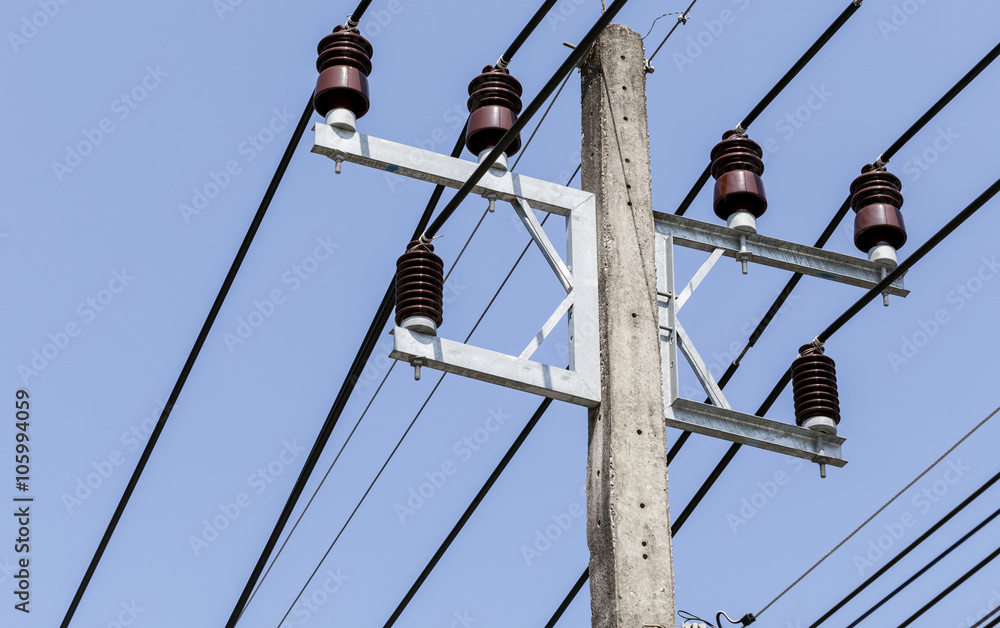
column 746, row 620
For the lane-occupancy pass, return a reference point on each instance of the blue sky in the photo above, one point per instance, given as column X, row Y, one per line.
column 119, row 115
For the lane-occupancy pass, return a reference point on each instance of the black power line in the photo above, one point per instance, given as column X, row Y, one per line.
column 532, row 24
column 953, row 224
column 569, row 598
column 531, row 424
column 386, row 377
column 355, row 18
column 986, row 617
column 771, row 95
column 192, row 357
column 926, row 567
column 835, row 221
column 346, row 389
column 567, row 66
column 841, row 320
column 681, row 20
column 542, row 407
column 385, row 308
column 951, row 587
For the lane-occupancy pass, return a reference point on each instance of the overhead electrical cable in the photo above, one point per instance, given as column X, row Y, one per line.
column 979, row 624
column 517, row 443
column 374, row 332
column 951, row 587
column 385, row 308
column 355, row 18
column 430, row 566
column 393, row 365
column 536, row 103
column 680, row 20
column 199, row 342
column 522, row 37
column 968, row 535
column 877, row 512
column 874, row 292
column 838, row 217
column 841, row 320
column 771, row 95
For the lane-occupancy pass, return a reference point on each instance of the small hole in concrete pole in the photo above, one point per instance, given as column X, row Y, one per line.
column 598, row 473
column 644, row 544
column 639, row 432
column 645, row 556
column 642, row 505
column 634, row 315
column 624, row 87
column 627, row 160
column 625, row 118
column 623, row 57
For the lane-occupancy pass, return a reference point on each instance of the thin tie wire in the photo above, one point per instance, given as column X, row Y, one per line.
column 884, row 506
column 681, row 20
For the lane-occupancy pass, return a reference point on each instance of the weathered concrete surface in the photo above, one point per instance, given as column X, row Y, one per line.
column 628, row 521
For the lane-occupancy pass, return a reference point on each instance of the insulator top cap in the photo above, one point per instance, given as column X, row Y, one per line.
column 876, row 199
column 494, row 102
column 736, row 152
column 737, row 163
column 344, row 63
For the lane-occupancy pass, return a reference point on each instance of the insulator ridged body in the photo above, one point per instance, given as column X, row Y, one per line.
column 494, row 102
column 814, row 382
column 344, row 63
column 737, row 165
column 419, row 284
column 876, row 197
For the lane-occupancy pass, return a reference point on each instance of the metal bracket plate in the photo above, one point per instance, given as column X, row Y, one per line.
column 581, row 382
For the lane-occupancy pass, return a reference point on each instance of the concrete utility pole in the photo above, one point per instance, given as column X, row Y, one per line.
column 628, row 519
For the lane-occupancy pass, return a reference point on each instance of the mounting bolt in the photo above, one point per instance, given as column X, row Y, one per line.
column 417, row 363
column 338, row 160
column 745, row 255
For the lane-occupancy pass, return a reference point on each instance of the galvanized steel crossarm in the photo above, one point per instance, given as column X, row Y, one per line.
column 773, row 252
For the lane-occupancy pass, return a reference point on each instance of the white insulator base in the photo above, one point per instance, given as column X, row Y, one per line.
column 342, row 119
column 883, row 254
column 420, row 324
column 821, row 424
column 501, row 162
column 742, row 221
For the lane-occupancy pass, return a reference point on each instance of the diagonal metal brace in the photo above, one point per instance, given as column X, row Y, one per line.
column 534, row 228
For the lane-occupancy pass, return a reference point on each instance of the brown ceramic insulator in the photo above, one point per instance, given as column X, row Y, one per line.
column 737, row 165
column 814, row 385
column 419, row 284
column 344, row 63
column 876, row 197
column 494, row 102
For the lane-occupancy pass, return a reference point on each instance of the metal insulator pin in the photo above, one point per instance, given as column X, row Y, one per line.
column 492, row 198
column 338, row 160
column 417, row 363
column 744, row 253
column 885, row 295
